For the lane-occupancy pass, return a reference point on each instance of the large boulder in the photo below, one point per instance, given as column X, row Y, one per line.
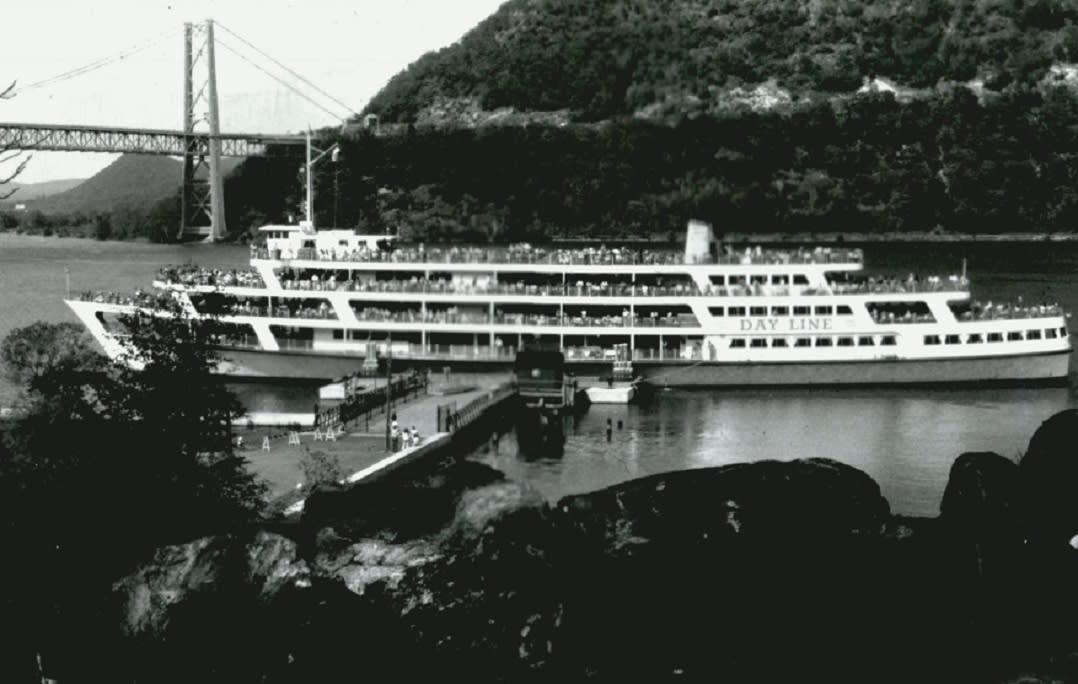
column 1049, row 484
column 980, row 570
column 1049, row 478
column 716, row 572
column 981, row 509
column 394, row 508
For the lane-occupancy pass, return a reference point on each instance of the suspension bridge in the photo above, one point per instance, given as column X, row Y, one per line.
column 200, row 143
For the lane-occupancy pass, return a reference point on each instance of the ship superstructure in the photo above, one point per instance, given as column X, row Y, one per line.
column 321, row 303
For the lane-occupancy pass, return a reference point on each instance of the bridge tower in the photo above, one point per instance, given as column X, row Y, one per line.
column 203, row 205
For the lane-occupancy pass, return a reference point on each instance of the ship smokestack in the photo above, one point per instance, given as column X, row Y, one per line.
column 700, row 244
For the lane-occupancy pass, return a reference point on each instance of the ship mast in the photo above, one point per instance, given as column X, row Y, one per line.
column 334, row 151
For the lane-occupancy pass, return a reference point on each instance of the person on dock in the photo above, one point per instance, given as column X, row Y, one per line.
column 415, row 436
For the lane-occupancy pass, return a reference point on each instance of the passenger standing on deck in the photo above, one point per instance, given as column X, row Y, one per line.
column 394, row 432
column 415, row 436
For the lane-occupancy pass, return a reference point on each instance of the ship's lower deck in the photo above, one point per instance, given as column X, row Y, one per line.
column 1019, row 369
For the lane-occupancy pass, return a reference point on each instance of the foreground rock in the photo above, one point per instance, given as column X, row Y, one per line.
column 770, row 571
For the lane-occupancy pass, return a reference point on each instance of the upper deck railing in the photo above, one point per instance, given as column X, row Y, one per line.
column 187, row 276
column 526, row 254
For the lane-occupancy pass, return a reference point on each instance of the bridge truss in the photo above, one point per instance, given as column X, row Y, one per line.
column 62, row 138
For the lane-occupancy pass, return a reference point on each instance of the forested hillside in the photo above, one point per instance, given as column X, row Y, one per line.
column 604, row 58
column 866, row 164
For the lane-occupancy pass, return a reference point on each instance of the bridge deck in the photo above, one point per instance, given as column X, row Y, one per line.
column 20, row 136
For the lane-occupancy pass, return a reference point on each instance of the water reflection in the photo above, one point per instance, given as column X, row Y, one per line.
column 905, row 439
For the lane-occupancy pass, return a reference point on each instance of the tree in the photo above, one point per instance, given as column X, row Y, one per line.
column 102, row 227
column 9, row 154
column 109, row 461
column 41, row 349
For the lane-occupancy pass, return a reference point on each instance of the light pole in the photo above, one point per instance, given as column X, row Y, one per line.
column 334, row 152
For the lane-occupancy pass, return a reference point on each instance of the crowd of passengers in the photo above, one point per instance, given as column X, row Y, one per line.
column 189, row 274
column 138, row 298
column 912, row 283
column 314, row 282
column 454, row 315
column 525, row 253
column 292, row 310
column 991, row 311
column 905, row 317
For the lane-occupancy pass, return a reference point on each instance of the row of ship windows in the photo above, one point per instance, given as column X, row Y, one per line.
column 798, row 279
column 863, row 341
column 890, row 340
column 1013, row 336
column 825, row 310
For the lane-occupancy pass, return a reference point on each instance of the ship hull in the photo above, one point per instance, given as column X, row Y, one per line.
column 1026, row 369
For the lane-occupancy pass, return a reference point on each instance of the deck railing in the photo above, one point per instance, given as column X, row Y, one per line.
column 557, row 257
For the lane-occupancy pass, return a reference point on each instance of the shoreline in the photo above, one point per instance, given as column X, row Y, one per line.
column 837, row 237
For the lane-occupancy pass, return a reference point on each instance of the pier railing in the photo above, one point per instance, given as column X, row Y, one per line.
column 371, row 399
column 467, row 414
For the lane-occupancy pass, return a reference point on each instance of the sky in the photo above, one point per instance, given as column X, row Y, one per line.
column 348, row 49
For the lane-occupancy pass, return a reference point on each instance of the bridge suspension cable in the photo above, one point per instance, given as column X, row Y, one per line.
column 286, row 84
column 96, row 64
column 290, row 71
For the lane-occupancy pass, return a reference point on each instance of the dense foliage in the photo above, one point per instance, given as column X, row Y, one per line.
column 867, row 164
column 608, row 57
column 106, row 463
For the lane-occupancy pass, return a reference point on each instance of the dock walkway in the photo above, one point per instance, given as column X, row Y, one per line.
column 423, row 414
column 360, row 447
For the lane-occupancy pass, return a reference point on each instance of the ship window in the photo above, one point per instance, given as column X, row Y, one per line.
column 1033, row 334
column 800, row 279
column 952, row 339
column 865, row 341
column 823, row 342
column 715, row 310
column 1050, row 333
column 309, row 244
column 736, row 311
column 995, row 337
column 778, row 342
column 717, row 279
column 758, row 342
column 338, row 334
column 1014, row 336
column 803, row 342
column 1062, row 332
column 757, row 310
column 355, row 335
column 802, row 311
column 737, row 343
column 932, row 339
column 887, row 341
column 843, row 310
column 975, row 338
column 780, row 280
column 758, row 280
column 845, row 341
column 823, row 310
column 737, row 280
column 780, row 311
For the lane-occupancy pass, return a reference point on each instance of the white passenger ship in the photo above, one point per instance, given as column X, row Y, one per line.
column 322, row 304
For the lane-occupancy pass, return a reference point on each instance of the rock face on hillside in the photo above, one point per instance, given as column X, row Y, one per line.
column 769, row 571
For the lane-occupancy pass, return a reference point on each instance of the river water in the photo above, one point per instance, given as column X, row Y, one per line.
column 905, row 438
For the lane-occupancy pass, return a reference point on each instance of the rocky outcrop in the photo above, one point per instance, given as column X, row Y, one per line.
column 769, row 571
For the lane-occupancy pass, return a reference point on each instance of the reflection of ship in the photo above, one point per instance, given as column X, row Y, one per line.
column 319, row 303
column 620, row 386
